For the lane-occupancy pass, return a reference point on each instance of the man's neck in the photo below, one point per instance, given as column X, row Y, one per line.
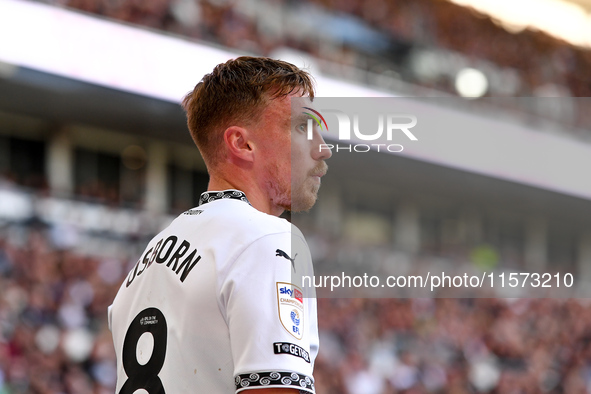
column 257, row 198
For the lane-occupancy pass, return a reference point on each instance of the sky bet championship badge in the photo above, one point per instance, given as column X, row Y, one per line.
column 290, row 301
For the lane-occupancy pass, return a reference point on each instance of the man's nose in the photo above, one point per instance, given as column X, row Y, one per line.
column 321, row 149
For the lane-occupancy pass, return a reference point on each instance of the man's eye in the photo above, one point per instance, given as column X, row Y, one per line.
column 303, row 127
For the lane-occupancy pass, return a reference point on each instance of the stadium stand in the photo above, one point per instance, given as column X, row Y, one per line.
column 529, row 61
column 416, row 48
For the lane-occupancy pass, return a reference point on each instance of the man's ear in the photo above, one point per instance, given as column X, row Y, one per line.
column 238, row 142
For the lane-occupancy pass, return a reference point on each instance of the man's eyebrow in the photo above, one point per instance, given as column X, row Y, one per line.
column 301, row 117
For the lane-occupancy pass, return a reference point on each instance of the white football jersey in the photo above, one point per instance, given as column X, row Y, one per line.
column 218, row 293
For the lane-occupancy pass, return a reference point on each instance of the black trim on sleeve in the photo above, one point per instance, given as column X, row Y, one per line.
column 275, row 379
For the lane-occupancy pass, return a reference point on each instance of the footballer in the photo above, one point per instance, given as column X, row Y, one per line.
column 212, row 306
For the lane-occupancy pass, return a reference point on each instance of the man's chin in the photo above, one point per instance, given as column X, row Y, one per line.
column 302, row 204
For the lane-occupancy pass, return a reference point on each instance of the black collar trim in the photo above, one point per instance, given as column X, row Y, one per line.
column 232, row 194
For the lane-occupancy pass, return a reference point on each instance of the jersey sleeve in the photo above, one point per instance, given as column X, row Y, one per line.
column 272, row 325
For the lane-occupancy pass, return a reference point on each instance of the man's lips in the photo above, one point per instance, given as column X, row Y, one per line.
column 320, row 170
column 317, row 175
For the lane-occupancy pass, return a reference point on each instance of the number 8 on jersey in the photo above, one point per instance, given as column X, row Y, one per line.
column 145, row 376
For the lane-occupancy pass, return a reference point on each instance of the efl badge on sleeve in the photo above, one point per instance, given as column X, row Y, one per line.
column 290, row 301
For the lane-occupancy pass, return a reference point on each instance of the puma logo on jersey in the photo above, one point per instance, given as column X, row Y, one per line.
column 281, row 253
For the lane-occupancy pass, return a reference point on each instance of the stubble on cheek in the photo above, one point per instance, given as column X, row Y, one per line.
column 279, row 188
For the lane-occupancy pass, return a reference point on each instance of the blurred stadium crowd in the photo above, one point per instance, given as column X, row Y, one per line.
column 54, row 336
column 453, row 346
column 523, row 63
